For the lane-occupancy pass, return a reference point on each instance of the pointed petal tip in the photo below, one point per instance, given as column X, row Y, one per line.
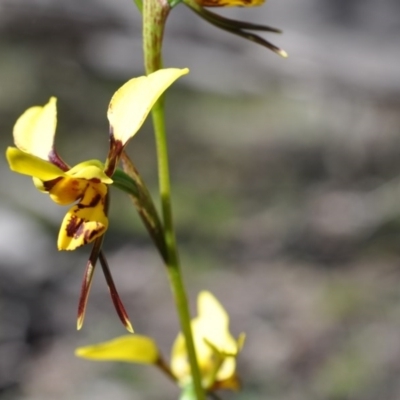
column 79, row 322
column 122, row 314
column 129, row 326
column 283, row 53
column 185, row 71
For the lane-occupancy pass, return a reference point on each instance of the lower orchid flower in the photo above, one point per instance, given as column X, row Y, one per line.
column 87, row 183
column 216, row 350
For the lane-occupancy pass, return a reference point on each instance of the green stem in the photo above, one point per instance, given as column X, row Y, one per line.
column 155, row 13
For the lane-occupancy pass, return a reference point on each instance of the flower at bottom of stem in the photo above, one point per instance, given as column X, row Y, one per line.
column 215, row 347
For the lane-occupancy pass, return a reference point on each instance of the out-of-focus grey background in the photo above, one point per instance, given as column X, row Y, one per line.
column 286, row 190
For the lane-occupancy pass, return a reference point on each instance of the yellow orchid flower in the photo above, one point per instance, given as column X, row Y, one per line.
column 216, row 349
column 35, row 155
column 85, row 184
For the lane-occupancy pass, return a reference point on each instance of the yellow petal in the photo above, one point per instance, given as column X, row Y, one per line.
column 227, row 369
column 35, row 129
column 86, row 221
column 179, row 360
column 40, row 185
column 230, row 3
column 129, row 348
column 131, row 104
column 31, row 165
column 214, row 323
column 66, row 190
column 215, row 346
column 92, row 169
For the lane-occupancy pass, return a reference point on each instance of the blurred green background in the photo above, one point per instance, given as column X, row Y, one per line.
column 286, row 196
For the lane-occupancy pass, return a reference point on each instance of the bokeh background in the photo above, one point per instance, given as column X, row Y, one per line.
column 286, row 190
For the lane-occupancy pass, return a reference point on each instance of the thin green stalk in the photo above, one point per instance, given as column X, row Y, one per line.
column 155, row 13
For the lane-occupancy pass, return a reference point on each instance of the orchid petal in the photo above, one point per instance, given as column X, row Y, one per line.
column 35, row 129
column 179, row 359
column 131, row 104
column 90, row 170
column 215, row 346
column 128, row 348
column 31, row 165
column 86, row 221
column 66, row 190
column 213, row 323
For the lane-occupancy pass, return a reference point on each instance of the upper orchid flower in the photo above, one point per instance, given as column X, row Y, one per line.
column 216, row 349
column 85, row 184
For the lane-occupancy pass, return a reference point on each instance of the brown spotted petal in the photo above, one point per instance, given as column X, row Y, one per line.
column 65, row 190
column 85, row 221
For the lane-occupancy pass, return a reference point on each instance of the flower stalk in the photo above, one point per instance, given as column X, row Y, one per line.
column 155, row 13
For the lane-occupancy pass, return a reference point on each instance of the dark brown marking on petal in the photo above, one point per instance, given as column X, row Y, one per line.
column 96, row 200
column 55, row 159
column 76, row 229
column 75, row 185
column 48, row 185
column 116, row 147
column 93, row 203
column 75, row 226
column 90, row 234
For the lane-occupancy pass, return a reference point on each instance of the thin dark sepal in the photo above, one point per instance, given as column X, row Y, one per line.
column 119, row 307
column 239, row 28
column 258, row 39
column 87, row 280
column 233, row 23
